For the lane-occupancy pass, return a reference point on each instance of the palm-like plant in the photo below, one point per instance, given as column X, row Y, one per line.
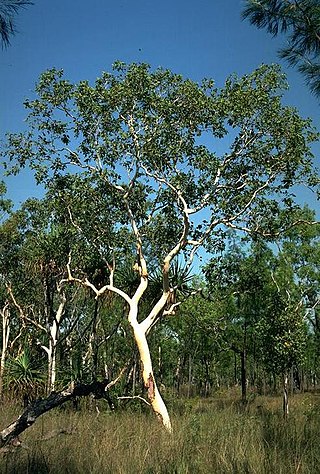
column 9, row 8
column 180, row 279
column 23, row 377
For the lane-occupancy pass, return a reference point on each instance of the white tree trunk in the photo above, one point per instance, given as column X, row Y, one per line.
column 140, row 330
column 285, row 397
column 154, row 395
column 52, row 364
column 5, row 340
column 51, row 350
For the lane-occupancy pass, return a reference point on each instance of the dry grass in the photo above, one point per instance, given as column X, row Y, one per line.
column 210, row 436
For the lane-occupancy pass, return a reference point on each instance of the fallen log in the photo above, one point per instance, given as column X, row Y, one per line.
column 41, row 406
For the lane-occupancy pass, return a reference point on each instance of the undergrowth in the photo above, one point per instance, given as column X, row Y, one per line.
column 217, row 435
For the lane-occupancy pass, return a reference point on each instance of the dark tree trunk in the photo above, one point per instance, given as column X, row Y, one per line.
column 243, row 356
column 41, row 406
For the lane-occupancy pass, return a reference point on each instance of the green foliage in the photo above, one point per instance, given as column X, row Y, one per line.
column 131, row 172
column 23, row 374
column 8, row 9
column 140, row 133
column 263, row 303
column 5, row 204
column 300, row 21
column 284, row 337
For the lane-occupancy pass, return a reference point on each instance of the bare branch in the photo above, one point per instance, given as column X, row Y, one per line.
column 22, row 314
column 116, row 380
column 138, row 397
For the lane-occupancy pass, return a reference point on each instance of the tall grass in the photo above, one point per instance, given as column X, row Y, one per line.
column 210, row 436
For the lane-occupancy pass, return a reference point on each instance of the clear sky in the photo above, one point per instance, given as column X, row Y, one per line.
column 203, row 38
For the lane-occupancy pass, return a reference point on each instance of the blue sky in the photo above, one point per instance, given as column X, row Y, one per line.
column 199, row 39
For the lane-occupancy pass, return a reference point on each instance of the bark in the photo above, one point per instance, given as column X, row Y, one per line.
column 160, row 363
column 244, row 366
column 243, row 376
column 242, row 353
column 5, row 340
column 95, row 342
column 41, row 406
column 177, row 375
column 154, row 396
column 141, row 329
column 190, row 376
column 134, row 376
column 51, row 350
column 285, row 397
column 235, row 370
column 208, row 380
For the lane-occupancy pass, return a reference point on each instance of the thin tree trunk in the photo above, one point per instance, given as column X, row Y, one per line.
column 208, row 379
column 134, row 376
column 243, row 376
column 95, row 342
column 190, row 376
column 52, row 366
column 285, row 396
column 235, row 368
column 243, row 355
column 177, row 375
column 160, row 363
column 255, row 368
column 51, row 350
column 5, row 340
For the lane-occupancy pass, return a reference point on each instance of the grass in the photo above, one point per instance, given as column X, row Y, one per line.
column 216, row 435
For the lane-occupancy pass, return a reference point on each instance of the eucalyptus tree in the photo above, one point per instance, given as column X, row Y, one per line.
column 265, row 308
column 239, row 279
column 32, row 289
column 31, row 251
column 8, row 10
column 148, row 143
column 195, row 341
column 5, row 322
column 299, row 249
column 282, row 329
column 10, row 241
column 300, row 20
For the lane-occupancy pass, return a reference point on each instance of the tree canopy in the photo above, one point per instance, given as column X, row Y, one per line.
column 142, row 170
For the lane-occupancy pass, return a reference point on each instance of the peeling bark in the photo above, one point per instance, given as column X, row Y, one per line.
column 150, row 387
column 154, row 396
